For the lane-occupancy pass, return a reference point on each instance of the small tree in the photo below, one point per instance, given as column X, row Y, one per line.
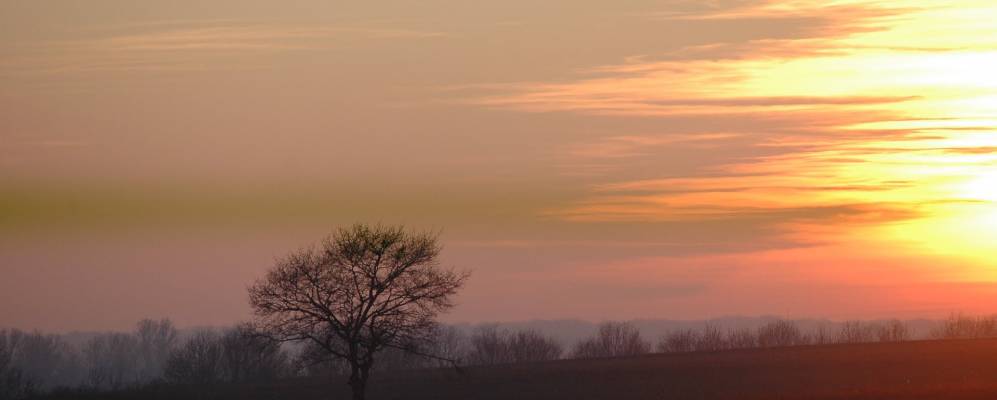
column 822, row 335
column 780, row 333
column 959, row 326
column 856, row 332
column 198, row 361
column 13, row 383
column 532, row 346
column 742, row 338
column 111, row 360
column 247, row 356
column 449, row 344
column 710, row 338
column 614, row 339
column 365, row 289
column 489, row 346
column 678, row 341
column 155, row 341
column 893, row 331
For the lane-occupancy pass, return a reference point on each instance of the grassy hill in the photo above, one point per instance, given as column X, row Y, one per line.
column 955, row 369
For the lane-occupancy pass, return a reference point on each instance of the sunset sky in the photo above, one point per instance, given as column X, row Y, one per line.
column 597, row 160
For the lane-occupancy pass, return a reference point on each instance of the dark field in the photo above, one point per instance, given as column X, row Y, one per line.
column 955, row 369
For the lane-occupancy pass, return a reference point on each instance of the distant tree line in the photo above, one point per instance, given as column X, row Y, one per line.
column 780, row 333
column 156, row 352
column 35, row 363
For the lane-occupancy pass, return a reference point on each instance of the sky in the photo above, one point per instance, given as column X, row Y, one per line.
column 596, row 160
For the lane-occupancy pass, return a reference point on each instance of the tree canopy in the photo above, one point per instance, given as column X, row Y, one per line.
column 363, row 289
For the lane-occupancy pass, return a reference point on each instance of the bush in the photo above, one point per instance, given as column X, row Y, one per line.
column 44, row 361
column 679, row 341
column 780, row 333
column 856, row 332
column 448, row 343
column 490, row 345
column 893, row 331
column 822, row 335
column 710, row 339
column 111, row 361
column 197, row 361
column 13, row 383
column 959, row 326
column 742, row 339
column 531, row 346
column 614, row 339
column 156, row 339
column 247, row 356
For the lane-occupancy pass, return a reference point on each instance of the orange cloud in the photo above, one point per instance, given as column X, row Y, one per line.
column 852, row 128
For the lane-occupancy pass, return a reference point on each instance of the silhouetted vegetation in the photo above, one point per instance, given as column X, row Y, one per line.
column 13, row 383
column 197, row 361
column 613, row 339
column 679, row 341
column 156, row 359
column 780, row 333
column 919, row 370
column 893, row 331
column 490, row 345
column 156, row 339
column 364, row 290
column 959, row 326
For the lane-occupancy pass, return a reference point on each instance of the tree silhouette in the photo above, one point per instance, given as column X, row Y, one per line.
column 613, row 339
column 365, row 289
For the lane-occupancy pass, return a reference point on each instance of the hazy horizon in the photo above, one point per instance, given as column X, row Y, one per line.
column 586, row 160
column 571, row 330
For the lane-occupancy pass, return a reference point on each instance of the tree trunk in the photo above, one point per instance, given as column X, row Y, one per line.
column 358, row 382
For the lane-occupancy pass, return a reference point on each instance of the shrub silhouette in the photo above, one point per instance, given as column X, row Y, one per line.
column 613, row 339
column 780, row 333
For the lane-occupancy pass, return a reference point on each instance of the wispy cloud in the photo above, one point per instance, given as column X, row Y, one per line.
column 640, row 145
column 188, row 45
column 849, row 126
column 246, row 37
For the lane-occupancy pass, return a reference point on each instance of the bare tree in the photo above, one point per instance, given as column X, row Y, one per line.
column 393, row 359
column 614, row 339
column 489, row 346
column 365, row 289
column 111, row 361
column 155, row 341
column 313, row 360
column 742, row 338
column 856, row 332
column 197, row 361
column 986, row 327
column 531, row 346
column 822, row 335
column 248, row 356
column 780, row 333
column 959, row 326
column 710, row 338
column 893, row 331
column 449, row 344
column 13, row 383
column 678, row 341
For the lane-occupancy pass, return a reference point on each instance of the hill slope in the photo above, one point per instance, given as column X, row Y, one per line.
column 964, row 369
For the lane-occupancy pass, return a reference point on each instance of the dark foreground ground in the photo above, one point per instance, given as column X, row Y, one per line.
column 964, row 369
